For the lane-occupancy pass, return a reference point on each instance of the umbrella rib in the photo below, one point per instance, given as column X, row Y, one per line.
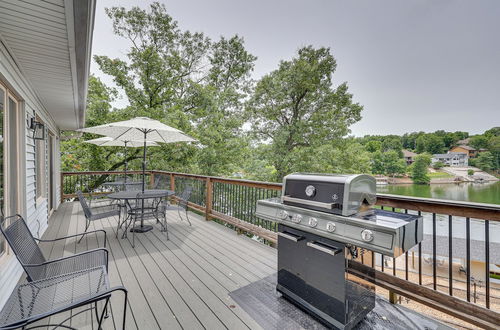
column 122, row 133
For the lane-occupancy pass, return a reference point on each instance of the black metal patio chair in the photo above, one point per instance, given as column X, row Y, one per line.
column 142, row 209
column 92, row 215
column 182, row 203
column 31, row 258
column 37, row 300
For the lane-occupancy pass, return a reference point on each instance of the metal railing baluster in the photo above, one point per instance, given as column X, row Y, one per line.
column 487, row 260
column 434, row 250
column 450, row 255
column 467, row 260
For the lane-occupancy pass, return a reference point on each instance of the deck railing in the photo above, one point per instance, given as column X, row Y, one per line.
column 446, row 272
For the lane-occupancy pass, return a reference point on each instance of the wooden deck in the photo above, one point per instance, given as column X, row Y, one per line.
column 180, row 283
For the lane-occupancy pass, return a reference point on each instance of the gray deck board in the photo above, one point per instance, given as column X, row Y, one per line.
column 181, row 283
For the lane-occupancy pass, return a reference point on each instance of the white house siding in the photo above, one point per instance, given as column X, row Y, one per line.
column 36, row 215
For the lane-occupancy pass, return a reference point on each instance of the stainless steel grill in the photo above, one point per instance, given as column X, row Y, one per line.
column 324, row 219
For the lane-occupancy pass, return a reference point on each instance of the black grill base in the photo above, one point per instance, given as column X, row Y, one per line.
column 319, row 283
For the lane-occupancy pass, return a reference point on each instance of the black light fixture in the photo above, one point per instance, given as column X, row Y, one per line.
column 38, row 129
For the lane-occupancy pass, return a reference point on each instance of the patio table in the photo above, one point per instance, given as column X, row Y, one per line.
column 127, row 196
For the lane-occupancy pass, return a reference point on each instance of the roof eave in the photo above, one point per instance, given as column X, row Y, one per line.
column 80, row 22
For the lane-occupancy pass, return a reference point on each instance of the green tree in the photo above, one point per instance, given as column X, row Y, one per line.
column 372, row 146
column 419, row 169
column 485, row 161
column 434, row 144
column 438, row 165
column 79, row 156
column 479, row 142
column 393, row 163
column 377, row 163
column 420, row 144
column 494, row 148
column 185, row 80
column 296, row 107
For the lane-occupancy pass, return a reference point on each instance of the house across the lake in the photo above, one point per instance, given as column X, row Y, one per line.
column 45, row 49
column 470, row 151
column 451, row 159
column 409, row 156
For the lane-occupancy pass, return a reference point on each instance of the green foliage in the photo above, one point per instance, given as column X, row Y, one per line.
column 470, row 172
column 479, row 142
column 495, row 131
column 437, row 165
column 389, row 163
column 494, row 148
column 185, row 80
column 419, row 169
column 373, row 146
column 434, row 144
column 485, row 161
column 297, row 110
column 420, row 144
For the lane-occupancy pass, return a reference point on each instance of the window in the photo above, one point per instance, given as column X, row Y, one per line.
column 41, row 168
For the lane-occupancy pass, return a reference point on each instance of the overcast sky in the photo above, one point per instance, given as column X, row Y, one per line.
column 413, row 65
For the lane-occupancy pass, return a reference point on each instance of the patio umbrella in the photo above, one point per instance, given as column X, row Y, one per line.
column 110, row 142
column 140, row 128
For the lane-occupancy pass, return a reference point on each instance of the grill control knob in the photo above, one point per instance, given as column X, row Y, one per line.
column 297, row 218
column 313, row 222
column 330, row 227
column 283, row 214
column 367, row 235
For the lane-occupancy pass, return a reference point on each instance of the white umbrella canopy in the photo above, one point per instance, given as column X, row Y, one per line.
column 110, row 142
column 139, row 129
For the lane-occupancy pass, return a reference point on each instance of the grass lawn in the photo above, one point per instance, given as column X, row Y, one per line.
column 439, row 175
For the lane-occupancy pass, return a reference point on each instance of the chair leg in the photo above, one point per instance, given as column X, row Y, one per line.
column 187, row 217
column 103, row 314
column 86, row 227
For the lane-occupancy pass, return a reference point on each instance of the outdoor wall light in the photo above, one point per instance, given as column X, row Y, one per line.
column 38, row 129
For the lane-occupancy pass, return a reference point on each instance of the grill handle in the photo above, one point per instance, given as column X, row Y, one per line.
column 328, row 206
column 322, row 248
column 290, row 237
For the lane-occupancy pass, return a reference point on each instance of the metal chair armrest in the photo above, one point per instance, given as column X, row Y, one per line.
column 76, row 235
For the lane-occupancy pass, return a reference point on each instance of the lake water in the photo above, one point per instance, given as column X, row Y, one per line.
column 470, row 192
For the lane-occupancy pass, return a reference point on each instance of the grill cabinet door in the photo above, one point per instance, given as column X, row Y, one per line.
column 315, row 276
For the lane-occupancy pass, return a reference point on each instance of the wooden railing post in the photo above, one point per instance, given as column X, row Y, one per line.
column 151, row 178
column 208, row 199
column 61, row 187
column 172, row 182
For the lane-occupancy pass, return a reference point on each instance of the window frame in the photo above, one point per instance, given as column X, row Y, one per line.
column 19, row 139
column 41, row 193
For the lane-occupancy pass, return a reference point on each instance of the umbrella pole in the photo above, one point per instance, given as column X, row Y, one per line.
column 144, row 163
column 126, row 164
